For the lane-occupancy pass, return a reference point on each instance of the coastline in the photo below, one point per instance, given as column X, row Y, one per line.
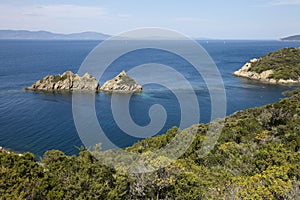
column 263, row 77
column 9, row 151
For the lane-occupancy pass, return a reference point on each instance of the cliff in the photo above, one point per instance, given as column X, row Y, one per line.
column 279, row 67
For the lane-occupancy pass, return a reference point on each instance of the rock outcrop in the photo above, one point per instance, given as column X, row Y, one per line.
column 246, row 72
column 121, row 83
column 3, row 150
column 68, row 81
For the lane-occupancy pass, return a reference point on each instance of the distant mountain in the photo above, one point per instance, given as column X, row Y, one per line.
column 45, row 35
column 203, row 38
column 292, row 38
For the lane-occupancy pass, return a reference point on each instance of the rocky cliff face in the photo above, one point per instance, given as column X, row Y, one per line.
column 66, row 82
column 121, row 83
column 246, row 72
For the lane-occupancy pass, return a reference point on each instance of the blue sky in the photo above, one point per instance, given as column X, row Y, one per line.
column 231, row 19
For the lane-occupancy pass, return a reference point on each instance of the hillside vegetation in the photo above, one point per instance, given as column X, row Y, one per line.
column 257, row 156
column 285, row 64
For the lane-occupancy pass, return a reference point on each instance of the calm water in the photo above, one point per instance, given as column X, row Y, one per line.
column 36, row 122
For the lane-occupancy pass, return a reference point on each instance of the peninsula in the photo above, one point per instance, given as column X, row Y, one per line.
column 291, row 38
column 279, row 67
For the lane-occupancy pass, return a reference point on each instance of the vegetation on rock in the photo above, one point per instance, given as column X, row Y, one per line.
column 58, row 78
column 121, row 83
column 68, row 81
column 285, row 64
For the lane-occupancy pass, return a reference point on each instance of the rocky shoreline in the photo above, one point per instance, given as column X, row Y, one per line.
column 3, row 150
column 69, row 81
column 245, row 72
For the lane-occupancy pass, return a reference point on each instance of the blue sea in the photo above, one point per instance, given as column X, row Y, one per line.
column 37, row 122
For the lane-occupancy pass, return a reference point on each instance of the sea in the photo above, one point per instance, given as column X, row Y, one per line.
column 38, row 121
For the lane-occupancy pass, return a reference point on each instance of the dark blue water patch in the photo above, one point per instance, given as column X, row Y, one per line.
column 36, row 122
column 139, row 107
column 152, row 56
column 24, row 62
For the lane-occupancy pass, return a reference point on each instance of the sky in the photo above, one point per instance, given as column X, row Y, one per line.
column 215, row 19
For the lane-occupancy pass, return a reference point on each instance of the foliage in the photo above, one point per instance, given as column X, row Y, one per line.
column 58, row 78
column 285, row 64
column 126, row 80
column 290, row 93
column 257, row 156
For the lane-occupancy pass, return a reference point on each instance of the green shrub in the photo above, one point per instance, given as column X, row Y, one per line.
column 58, row 78
column 285, row 63
column 257, row 156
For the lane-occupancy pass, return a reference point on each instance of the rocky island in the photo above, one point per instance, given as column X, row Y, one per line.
column 68, row 81
column 121, row 83
column 279, row 67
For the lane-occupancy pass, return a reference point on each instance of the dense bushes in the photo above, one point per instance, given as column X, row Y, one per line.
column 285, row 63
column 257, row 156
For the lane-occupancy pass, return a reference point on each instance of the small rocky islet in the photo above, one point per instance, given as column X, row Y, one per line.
column 68, row 81
column 121, row 83
column 281, row 67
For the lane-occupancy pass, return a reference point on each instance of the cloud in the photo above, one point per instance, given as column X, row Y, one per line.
column 50, row 17
column 285, row 2
column 64, row 11
column 277, row 3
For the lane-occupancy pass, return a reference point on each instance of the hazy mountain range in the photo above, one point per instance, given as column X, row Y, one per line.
column 45, row 35
column 292, row 38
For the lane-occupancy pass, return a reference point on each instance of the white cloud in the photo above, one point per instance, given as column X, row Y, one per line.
column 63, row 18
column 277, row 3
column 285, row 2
column 64, row 11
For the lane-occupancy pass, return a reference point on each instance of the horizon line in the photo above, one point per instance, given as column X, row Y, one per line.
column 110, row 35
